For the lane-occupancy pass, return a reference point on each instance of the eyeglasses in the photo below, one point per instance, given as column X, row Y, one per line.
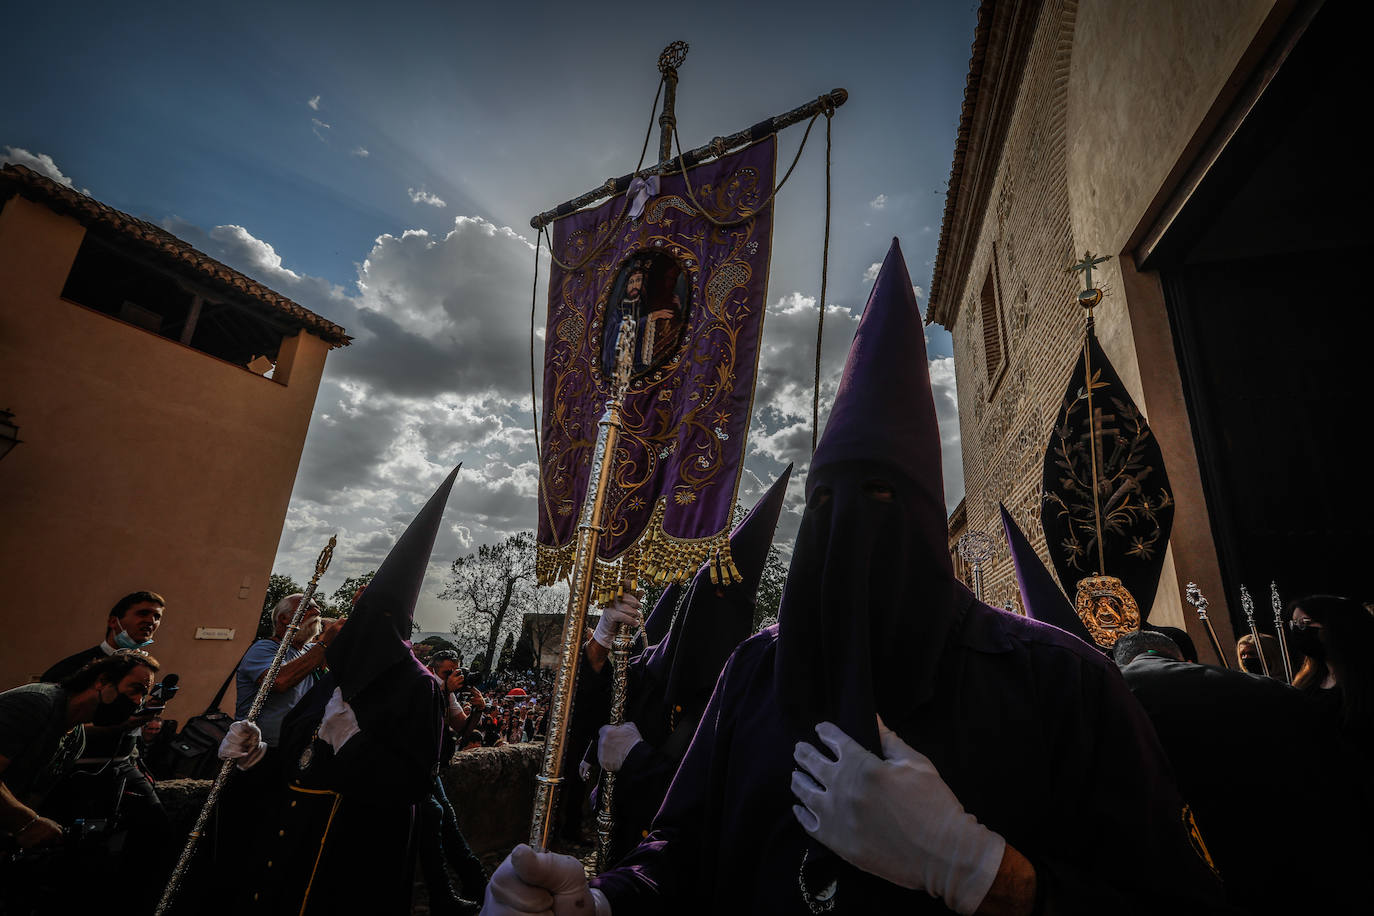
column 1302, row 623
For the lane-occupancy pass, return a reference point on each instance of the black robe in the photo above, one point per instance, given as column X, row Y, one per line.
column 1034, row 732
column 1264, row 767
column 345, row 838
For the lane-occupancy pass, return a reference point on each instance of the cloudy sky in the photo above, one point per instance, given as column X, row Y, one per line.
column 379, row 164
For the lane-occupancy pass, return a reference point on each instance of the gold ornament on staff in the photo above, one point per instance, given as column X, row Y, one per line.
column 1247, row 604
column 605, row 813
column 1278, row 631
column 1103, row 602
column 228, row 766
column 589, row 529
column 1194, row 596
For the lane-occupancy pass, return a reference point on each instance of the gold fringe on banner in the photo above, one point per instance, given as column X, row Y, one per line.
column 657, row 558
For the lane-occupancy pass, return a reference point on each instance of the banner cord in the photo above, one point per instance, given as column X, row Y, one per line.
column 534, row 404
column 825, row 271
column 720, row 224
column 619, row 220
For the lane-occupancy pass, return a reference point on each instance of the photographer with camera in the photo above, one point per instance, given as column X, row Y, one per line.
column 41, row 737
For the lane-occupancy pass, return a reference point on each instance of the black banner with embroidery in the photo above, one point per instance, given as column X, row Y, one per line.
column 1134, row 497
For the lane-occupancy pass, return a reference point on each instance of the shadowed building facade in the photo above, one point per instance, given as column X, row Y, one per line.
column 1193, row 143
column 163, row 400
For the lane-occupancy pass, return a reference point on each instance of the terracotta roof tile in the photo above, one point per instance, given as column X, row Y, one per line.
column 935, row 308
column 92, row 213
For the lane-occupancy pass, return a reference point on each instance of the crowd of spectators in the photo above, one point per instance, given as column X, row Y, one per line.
column 78, row 751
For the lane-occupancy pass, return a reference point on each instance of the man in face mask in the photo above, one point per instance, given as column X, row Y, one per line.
column 41, row 735
column 130, row 625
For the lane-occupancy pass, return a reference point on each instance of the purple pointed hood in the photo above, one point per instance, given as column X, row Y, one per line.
column 870, row 593
column 1039, row 592
column 377, row 634
column 680, row 671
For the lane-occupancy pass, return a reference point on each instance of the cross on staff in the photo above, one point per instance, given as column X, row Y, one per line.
column 1091, row 295
column 1085, row 267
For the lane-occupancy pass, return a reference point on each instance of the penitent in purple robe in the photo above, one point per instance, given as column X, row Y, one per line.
column 1035, row 733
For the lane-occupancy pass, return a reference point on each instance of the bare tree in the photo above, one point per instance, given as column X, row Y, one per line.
column 487, row 586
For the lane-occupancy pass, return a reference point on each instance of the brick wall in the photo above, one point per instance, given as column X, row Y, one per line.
column 1026, row 241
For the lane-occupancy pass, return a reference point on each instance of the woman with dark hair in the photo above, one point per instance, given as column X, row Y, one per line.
column 1337, row 637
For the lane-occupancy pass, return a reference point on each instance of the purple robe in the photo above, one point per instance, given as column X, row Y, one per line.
column 1034, row 732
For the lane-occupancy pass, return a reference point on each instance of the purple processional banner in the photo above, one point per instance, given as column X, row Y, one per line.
column 696, row 292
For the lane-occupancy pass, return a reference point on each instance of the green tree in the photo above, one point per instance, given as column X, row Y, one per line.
column 769, row 596
column 278, row 587
column 341, row 601
column 491, row 587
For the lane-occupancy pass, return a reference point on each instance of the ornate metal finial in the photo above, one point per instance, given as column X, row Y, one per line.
column 672, row 57
column 1090, row 295
column 1277, row 604
column 975, row 549
column 1196, row 599
column 624, row 357
column 1247, row 604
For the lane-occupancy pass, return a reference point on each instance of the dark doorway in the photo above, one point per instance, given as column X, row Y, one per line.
column 1273, row 327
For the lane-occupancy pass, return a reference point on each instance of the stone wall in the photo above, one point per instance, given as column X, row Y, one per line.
column 492, row 791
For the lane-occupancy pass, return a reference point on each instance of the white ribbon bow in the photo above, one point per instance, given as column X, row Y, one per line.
column 641, row 189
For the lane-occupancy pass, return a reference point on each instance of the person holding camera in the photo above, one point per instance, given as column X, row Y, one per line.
column 41, row 736
column 441, row 842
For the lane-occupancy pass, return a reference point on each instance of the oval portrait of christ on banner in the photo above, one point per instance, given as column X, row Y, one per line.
column 652, row 289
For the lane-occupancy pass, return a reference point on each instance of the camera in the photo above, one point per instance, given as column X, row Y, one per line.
column 157, row 699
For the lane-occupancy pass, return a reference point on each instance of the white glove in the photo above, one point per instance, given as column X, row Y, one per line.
column 894, row 817
column 624, row 609
column 339, row 723
column 614, row 743
column 542, row 882
column 243, row 742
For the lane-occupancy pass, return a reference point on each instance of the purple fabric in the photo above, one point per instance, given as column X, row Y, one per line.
column 868, row 596
column 1043, row 599
column 1035, row 734
column 685, row 423
column 377, row 634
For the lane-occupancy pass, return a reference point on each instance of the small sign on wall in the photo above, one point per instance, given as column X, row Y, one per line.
column 214, row 632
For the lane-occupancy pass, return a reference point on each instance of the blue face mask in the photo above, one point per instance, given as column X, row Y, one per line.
column 124, row 641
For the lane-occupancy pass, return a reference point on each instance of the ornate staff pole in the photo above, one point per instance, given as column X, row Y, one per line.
column 1278, row 631
column 668, row 62
column 1196, row 599
column 1089, row 298
column 259, row 699
column 589, row 530
column 1247, row 604
column 975, row 549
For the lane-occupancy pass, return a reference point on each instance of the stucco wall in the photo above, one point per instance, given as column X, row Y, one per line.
column 144, row 464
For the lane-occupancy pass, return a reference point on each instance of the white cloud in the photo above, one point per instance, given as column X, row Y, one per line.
column 438, row 374
column 878, row 202
column 314, row 103
column 871, row 272
column 360, row 152
column 421, row 196
column 920, row 293
column 41, row 163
